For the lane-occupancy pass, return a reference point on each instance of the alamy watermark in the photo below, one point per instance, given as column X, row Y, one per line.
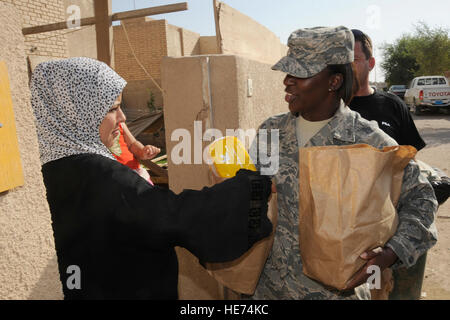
column 74, row 19
column 189, row 150
column 373, row 17
column 73, row 281
column 374, row 280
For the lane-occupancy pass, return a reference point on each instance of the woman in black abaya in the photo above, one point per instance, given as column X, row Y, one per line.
column 108, row 221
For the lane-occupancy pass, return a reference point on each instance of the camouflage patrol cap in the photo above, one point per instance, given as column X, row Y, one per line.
column 312, row 49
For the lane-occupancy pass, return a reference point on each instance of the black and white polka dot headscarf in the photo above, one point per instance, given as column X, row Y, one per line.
column 70, row 99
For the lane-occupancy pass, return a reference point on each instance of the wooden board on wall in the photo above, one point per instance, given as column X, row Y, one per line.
column 11, row 174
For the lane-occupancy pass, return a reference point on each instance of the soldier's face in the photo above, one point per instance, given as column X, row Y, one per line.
column 307, row 95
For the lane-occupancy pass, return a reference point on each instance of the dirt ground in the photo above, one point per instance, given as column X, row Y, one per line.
column 435, row 130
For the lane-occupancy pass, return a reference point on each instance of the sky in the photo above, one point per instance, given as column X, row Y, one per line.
column 383, row 20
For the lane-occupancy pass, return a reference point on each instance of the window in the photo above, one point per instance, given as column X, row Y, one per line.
column 442, row 81
column 421, row 82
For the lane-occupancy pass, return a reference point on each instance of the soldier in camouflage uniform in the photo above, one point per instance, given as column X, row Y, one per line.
column 311, row 51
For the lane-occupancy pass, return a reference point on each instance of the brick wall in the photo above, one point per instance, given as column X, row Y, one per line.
column 151, row 40
column 148, row 39
column 38, row 12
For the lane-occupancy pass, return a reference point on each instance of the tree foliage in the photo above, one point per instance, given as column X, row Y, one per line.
column 425, row 52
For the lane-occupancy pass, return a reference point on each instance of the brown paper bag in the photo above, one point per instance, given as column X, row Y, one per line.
column 348, row 196
column 242, row 275
column 387, row 284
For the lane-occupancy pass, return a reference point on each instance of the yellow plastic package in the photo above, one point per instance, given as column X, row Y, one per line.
column 228, row 156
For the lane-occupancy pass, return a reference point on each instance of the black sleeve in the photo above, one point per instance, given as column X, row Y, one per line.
column 216, row 224
column 92, row 195
column 408, row 133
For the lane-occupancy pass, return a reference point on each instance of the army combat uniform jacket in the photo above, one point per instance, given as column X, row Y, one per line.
column 282, row 277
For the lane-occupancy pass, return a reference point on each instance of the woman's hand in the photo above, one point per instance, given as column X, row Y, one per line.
column 381, row 257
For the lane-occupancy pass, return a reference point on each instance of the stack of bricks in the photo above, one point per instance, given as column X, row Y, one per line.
column 40, row 12
column 149, row 42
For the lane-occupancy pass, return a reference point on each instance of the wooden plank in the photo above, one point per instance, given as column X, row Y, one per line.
column 160, row 158
column 56, row 26
column 103, row 30
column 11, row 174
column 160, row 180
column 155, row 168
column 150, row 11
column 115, row 17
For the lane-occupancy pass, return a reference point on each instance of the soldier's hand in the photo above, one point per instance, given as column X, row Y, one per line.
column 274, row 189
column 381, row 257
column 274, row 186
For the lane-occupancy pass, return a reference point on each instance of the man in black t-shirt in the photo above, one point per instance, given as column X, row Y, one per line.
column 390, row 112
column 393, row 117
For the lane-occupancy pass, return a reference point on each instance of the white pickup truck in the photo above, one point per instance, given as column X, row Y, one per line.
column 429, row 92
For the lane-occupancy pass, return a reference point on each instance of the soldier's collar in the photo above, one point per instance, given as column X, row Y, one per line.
column 342, row 124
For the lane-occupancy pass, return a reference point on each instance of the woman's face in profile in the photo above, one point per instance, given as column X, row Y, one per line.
column 306, row 95
column 109, row 128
